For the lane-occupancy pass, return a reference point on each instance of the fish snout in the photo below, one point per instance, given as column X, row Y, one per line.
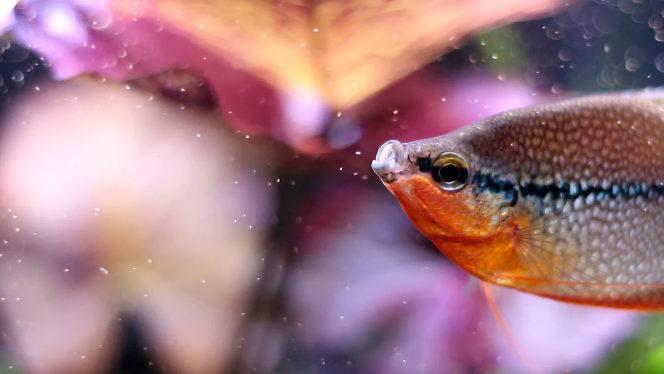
column 391, row 161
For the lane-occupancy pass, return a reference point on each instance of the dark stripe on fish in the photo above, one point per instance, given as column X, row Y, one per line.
column 493, row 183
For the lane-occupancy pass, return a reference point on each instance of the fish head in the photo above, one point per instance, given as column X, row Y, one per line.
column 438, row 184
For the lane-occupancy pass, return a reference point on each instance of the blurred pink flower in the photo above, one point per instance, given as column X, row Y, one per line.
column 269, row 69
column 362, row 275
column 113, row 202
column 6, row 15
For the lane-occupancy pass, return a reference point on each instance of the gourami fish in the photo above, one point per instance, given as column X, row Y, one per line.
column 563, row 200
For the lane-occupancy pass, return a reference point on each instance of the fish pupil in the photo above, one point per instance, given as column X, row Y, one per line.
column 449, row 173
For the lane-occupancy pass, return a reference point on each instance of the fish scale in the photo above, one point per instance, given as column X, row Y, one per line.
column 563, row 200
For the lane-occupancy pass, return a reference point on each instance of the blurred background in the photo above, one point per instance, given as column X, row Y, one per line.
column 185, row 186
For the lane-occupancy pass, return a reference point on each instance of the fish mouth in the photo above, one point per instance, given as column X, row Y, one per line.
column 392, row 162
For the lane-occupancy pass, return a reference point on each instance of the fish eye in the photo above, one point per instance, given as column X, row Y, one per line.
column 450, row 171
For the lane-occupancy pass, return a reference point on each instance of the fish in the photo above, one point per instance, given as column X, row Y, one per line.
column 564, row 200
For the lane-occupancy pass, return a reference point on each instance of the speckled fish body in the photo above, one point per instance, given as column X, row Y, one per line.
column 564, row 200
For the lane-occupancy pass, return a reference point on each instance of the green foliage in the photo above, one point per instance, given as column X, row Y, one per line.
column 642, row 354
column 500, row 49
column 8, row 365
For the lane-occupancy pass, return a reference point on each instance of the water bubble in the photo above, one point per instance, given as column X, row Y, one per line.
column 641, row 16
column 606, row 76
column 15, row 53
column 565, row 54
column 659, row 62
column 627, row 6
column 632, row 65
column 553, row 31
column 101, row 20
column 557, row 88
column 342, row 133
column 18, row 77
column 621, row 77
column 564, row 20
column 634, row 58
column 655, row 22
column 605, row 20
column 534, row 76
